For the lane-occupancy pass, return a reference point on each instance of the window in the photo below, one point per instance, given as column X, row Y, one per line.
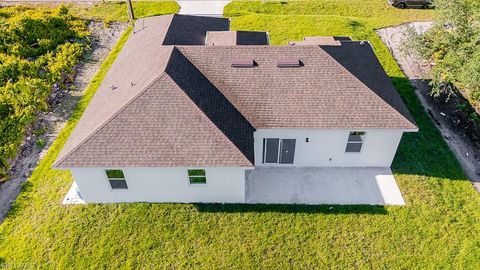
column 197, row 176
column 116, row 178
column 278, row 150
column 355, row 141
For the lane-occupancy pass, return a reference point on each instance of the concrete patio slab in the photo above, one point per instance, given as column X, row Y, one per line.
column 273, row 185
column 73, row 195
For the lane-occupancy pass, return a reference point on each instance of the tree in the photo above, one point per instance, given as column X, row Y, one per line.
column 453, row 43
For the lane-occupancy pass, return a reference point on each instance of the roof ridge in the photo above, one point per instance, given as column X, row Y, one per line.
column 107, row 121
column 364, row 85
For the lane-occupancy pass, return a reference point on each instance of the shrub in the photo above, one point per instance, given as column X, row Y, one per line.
column 40, row 143
column 38, row 48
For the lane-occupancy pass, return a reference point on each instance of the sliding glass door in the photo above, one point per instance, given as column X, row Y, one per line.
column 278, row 151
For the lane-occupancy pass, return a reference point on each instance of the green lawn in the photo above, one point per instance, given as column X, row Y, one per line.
column 379, row 11
column 117, row 11
column 439, row 227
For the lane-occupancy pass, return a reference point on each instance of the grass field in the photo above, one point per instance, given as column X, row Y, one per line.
column 378, row 11
column 438, row 228
column 117, row 11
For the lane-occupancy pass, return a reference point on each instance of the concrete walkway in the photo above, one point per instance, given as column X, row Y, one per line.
column 371, row 186
column 202, row 7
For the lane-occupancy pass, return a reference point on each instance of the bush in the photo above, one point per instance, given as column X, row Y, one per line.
column 38, row 48
column 40, row 143
column 453, row 43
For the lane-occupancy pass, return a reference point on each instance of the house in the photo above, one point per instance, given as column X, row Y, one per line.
column 193, row 112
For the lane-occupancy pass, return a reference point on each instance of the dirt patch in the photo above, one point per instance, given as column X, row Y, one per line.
column 43, row 132
column 452, row 115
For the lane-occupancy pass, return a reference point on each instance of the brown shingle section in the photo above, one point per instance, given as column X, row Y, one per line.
column 140, row 62
column 321, row 94
column 359, row 59
column 161, row 128
column 166, row 106
column 212, row 103
column 221, row 38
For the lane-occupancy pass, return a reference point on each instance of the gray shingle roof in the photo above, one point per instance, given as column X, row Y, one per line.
column 179, row 106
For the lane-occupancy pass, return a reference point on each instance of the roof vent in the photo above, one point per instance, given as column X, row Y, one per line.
column 243, row 62
column 288, row 62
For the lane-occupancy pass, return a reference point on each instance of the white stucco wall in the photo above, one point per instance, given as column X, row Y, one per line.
column 327, row 147
column 162, row 185
column 227, row 185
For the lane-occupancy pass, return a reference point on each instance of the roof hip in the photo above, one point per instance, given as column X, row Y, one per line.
column 212, row 103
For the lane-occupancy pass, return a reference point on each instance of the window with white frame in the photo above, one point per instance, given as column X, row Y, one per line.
column 116, row 178
column 355, row 142
column 197, row 176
